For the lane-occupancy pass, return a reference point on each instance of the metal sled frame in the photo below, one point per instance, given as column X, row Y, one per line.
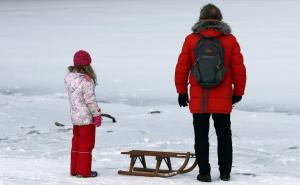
column 160, row 157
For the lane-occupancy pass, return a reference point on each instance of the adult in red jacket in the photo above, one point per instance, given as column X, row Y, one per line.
column 215, row 101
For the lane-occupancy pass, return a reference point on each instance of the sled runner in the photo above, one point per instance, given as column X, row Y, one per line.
column 160, row 157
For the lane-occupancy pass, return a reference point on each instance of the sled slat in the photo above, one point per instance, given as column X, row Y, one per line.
column 155, row 153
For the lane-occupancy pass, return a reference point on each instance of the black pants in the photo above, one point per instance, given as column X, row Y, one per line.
column 223, row 130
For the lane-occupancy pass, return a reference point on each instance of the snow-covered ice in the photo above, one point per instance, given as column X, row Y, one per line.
column 135, row 45
column 35, row 151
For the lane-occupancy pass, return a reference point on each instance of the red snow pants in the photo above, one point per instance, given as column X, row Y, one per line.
column 83, row 142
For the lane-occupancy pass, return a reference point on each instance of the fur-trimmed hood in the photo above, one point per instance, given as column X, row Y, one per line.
column 202, row 25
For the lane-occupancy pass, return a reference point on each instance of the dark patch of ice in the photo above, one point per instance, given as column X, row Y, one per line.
column 29, row 127
column 59, row 124
column 19, row 91
column 3, row 104
column 64, row 130
column 33, row 132
column 139, row 101
column 103, row 101
column 143, row 132
column 293, row 147
column 155, row 112
column 246, row 174
column 4, row 139
column 269, row 108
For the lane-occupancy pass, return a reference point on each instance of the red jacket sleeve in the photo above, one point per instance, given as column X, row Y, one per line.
column 238, row 70
column 183, row 66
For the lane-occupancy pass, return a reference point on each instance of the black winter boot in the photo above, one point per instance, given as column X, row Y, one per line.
column 225, row 177
column 204, row 178
column 93, row 174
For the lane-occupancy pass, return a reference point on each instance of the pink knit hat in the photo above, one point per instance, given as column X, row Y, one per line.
column 81, row 58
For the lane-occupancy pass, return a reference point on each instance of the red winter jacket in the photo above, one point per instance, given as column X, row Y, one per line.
column 217, row 99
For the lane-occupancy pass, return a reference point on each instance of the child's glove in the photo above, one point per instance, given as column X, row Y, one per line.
column 97, row 120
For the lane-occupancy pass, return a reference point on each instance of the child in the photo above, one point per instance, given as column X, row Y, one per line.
column 85, row 114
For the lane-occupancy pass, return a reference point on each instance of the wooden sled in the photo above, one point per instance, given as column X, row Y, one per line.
column 160, row 157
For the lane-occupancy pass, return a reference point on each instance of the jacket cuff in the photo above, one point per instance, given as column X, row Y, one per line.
column 182, row 90
column 238, row 93
column 94, row 109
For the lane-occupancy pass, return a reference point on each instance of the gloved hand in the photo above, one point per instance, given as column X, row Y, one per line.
column 183, row 100
column 236, row 99
column 97, row 120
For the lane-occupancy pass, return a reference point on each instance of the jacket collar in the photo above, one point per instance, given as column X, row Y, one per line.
column 211, row 28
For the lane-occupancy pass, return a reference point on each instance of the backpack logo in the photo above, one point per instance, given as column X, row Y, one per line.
column 208, row 51
column 209, row 66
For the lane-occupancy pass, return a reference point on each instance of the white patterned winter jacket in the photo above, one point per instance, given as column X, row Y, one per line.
column 81, row 90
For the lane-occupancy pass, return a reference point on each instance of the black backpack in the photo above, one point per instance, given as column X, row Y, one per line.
column 209, row 66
